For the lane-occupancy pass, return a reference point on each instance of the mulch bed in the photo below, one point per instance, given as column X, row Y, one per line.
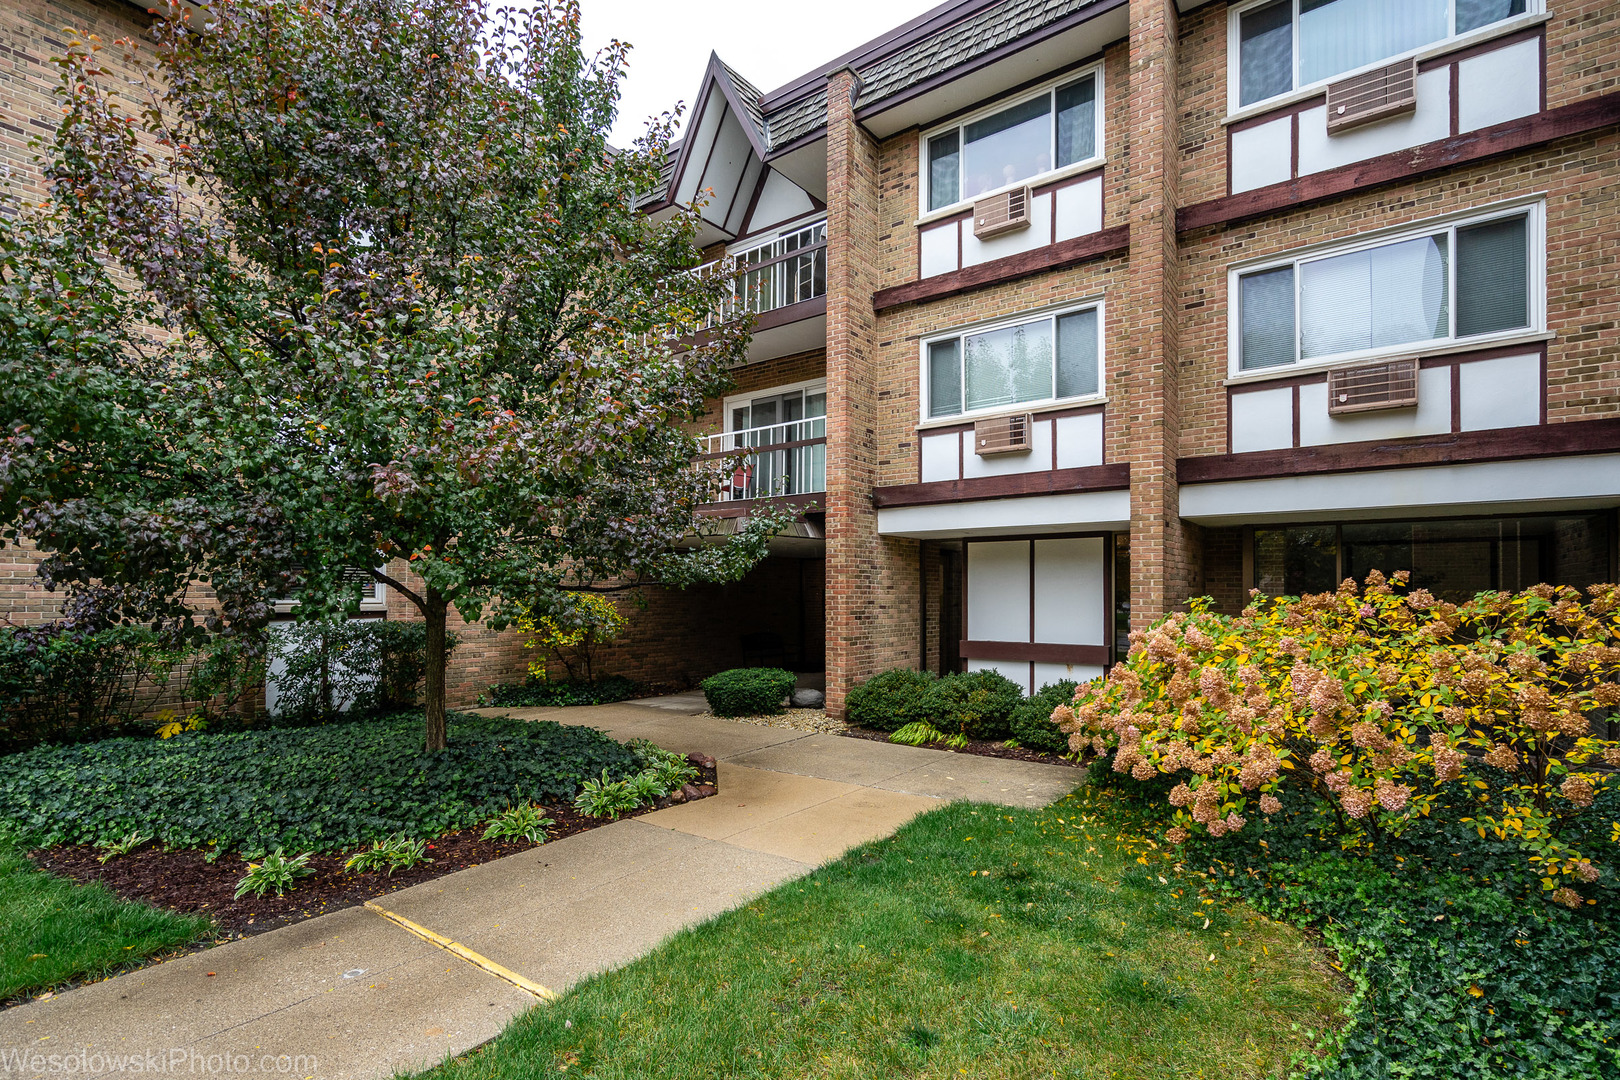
column 181, row 880
column 981, row 747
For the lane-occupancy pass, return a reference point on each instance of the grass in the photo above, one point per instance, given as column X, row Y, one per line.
column 977, row 942
column 58, row 931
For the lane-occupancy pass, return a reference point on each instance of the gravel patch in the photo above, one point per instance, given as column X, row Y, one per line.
column 812, row 720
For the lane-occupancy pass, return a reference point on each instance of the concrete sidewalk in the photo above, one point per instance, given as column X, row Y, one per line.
column 353, row 994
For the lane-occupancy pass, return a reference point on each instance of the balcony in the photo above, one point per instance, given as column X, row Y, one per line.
column 782, row 286
column 787, row 460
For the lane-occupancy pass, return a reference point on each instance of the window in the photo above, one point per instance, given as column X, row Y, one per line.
column 1285, row 44
column 1449, row 282
column 1051, row 358
column 786, row 270
column 796, row 415
column 1454, row 559
column 1057, row 128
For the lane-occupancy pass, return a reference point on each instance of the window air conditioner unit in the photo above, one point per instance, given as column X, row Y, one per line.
column 1002, row 435
column 1372, row 95
column 1002, row 213
column 1393, row 385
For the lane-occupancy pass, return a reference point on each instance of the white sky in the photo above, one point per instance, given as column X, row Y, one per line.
column 769, row 42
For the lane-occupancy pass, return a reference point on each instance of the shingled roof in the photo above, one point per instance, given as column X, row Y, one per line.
column 888, row 74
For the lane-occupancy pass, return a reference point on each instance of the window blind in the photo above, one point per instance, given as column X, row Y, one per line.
column 1493, row 286
column 1338, row 35
column 1267, row 316
column 944, row 378
column 1389, row 295
column 1266, row 52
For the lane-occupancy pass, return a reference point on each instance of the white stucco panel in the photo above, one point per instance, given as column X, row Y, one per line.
column 1051, row 673
column 1039, row 234
column 1502, row 392
column 1069, row 577
column 1430, row 121
column 998, row 591
column 1262, row 154
column 939, row 246
column 1039, row 458
column 1431, row 417
column 1080, row 208
column 1263, row 420
column 941, row 457
column 1500, row 85
column 1079, row 440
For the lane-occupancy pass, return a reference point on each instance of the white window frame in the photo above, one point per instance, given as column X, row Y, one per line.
column 1047, row 89
column 1535, row 210
column 1040, row 404
column 734, row 400
column 1534, row 12
column 378, row 602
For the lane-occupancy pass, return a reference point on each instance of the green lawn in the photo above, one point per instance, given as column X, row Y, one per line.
column 978, row 942
column 57, row 931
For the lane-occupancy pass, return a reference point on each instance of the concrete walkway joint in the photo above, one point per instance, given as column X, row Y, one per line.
column 350, row 996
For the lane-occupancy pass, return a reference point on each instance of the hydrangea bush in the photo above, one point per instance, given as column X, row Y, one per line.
column 1383, row 707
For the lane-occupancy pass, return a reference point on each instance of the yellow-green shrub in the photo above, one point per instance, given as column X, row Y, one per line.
column 1385, row 705
column 573, row 635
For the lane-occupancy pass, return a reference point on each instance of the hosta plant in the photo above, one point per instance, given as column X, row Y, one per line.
column 606, row 797
column 122, row 846
column 525, row 821
column 396, row 852
column 274, row 872
column 1384, row 706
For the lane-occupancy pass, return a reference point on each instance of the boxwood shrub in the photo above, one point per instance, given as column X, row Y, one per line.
column 1031, row 722
column 748, row 691
column 890, row 701
column 304, row 789
column 975, row 703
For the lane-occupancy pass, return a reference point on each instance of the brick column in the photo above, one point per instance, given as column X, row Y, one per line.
column 1145, row 341
column 872, row 593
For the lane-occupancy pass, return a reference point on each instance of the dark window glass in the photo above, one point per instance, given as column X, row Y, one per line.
column 1493, row 277
column 1076, row 121
column 1265, row 52
column 1472, row 14
column 1453, row 559
column 944, row 160
column 1267, row 317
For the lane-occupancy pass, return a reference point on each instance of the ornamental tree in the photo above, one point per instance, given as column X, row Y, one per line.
column 353, row 282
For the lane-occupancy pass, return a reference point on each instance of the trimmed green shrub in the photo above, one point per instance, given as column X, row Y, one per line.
column 890, row 701
column 62, row 684
column 975, row 703
column 537, row 692
column 1031, row 721
column 748, row 691
column 328, row 788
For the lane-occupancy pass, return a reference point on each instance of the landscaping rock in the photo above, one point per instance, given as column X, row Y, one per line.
column 697, row 791
column 809, row 699
column 700, row 760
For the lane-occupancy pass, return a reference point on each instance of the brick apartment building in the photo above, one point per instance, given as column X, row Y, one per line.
column 1068, row 310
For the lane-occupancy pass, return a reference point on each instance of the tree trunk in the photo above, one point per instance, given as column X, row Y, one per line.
column 433, row 693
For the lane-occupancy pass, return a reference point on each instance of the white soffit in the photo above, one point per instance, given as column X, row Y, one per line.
column 1084, row 511
column 1542, row 484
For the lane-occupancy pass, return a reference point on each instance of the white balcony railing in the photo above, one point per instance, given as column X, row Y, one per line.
column 785, row 459
column 788, row 270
